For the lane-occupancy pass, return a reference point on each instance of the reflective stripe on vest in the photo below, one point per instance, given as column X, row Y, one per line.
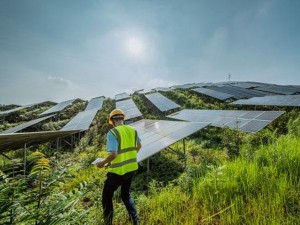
column 126, row 159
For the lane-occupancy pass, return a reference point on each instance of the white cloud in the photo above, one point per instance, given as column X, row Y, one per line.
column 63, row 82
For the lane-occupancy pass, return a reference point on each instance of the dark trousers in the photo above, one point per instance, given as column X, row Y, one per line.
column 111, row 184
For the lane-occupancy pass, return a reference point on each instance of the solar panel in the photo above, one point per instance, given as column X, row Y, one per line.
column 122, row 96
column 81, row 121
column 213, row 93
column 254, row 125
column 187, row 86
column 59, row 107
column 250, row 121
column 244, row 84
column 129, row 108
column 25, row 125
column 274, row 100
column 18, row 108
column 161, row 102
column 95, row 103
column 18, row 140
column 278, row 89
column 237, row 92
column 163, row 89
column 158, row 134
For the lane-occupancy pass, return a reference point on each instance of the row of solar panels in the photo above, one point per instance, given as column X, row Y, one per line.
column 155, row 135
column 80, row 122
column 221, row 91
column 83, row 120
column 159, row 134
column 249, row 121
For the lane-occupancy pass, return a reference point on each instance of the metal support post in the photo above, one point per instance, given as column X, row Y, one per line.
column 148, row 166
column 25, row 158
column 184, row 152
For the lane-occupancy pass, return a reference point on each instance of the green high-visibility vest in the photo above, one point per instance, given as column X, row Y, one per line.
column 126, row 159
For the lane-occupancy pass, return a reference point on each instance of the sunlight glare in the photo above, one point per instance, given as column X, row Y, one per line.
column 135, row 46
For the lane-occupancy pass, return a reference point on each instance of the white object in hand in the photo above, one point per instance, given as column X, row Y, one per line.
column 98, row 160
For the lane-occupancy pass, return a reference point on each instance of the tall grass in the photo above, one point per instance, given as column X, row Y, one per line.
column 262, row 191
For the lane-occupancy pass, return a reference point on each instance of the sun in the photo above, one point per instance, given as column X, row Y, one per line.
column 135, row 46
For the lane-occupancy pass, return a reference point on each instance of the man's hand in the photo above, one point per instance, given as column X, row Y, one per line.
column 111, row 157
column 101, row 164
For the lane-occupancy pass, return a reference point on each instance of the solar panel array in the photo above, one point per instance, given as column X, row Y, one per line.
column 122, row 96
column 274, row 100
column 213, row 93
column 278, row 89
column 161, row 102
column 59, row 107
column 237, row 92
column 95, row 103
column 129, row 108
column 249, row 121
column 158, row 134
column 25, row 125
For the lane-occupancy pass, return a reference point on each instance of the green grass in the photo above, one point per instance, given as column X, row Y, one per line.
column 263, row 191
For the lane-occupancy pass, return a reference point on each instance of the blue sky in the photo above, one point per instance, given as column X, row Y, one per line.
column 62, row 49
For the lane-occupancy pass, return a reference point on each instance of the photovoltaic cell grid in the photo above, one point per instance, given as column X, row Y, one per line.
column 121, row 96
column 248, row 121
column 81, row 121
column 129, row 108
column 237, row 92
column 59, row 107
column 161, row 102
column 24, row 125
column 274, row 100
column 17, row 140
column 213, row 93
column 278, row 89
column 95, row 103
column 158, row 134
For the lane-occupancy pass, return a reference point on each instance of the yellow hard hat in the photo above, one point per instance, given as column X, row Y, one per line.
column 116, row 114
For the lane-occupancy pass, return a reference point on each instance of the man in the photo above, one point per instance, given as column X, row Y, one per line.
column 123, row 144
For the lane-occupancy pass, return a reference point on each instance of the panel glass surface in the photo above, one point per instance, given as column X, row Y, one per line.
column 274, row 100
column 81, row 121
column 233, row 119
column 122, row 96
column 59, row 107
column 129, row 108
column 95, row 103
column 25, row 125
column 158, row 134
column 213, row 93
column 278, row 89
column 17, row 109
column 161, row 102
